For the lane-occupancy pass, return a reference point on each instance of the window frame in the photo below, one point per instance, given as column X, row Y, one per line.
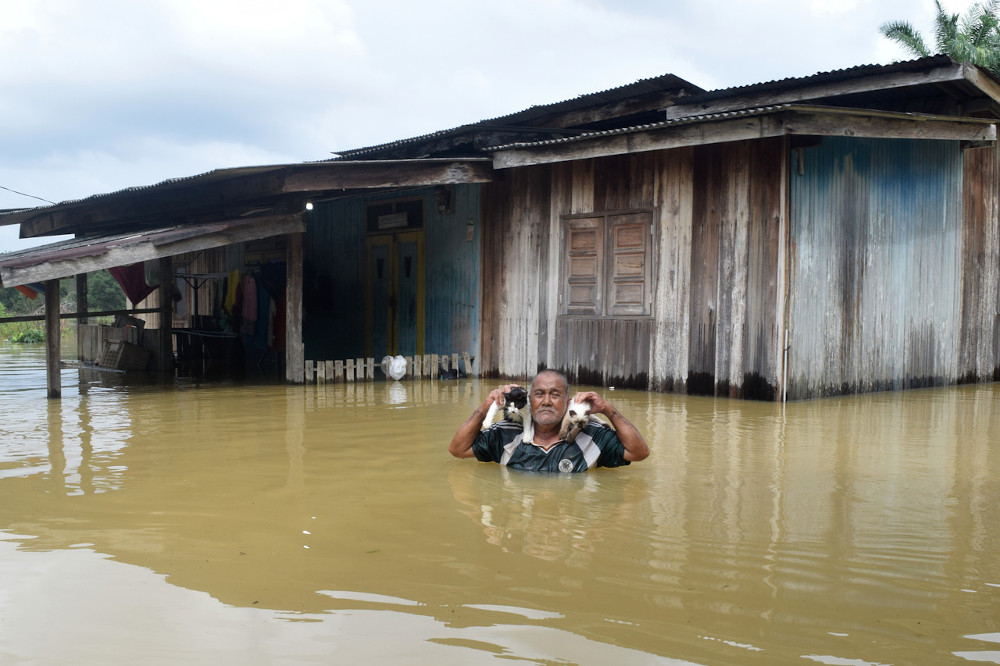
column 598, row 255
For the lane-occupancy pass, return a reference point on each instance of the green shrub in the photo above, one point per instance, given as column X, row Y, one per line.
column 28, row 336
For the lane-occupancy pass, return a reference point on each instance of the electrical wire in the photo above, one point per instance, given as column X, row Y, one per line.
column 27, row 195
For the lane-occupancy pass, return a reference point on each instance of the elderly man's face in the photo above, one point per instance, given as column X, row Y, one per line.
column 548, row 399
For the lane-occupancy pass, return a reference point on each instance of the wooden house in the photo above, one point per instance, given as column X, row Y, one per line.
column 830, row 234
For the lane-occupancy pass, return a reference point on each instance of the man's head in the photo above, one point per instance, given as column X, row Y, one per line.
column 549, row 396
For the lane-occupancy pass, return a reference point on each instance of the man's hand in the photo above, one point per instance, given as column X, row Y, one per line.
column 461, row 443
column 635, row 446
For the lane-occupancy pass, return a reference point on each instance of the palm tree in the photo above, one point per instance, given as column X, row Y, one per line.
column 975, row 38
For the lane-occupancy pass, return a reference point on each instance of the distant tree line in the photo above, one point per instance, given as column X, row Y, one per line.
column 103, row 293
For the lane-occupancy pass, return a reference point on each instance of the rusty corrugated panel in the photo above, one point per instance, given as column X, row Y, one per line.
column 663, row 83
column 875, row 285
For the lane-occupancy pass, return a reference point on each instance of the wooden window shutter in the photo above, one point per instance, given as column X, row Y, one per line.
column 583, row 289
column 629, row 269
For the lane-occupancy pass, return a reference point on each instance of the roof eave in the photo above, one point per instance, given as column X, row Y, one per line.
column 784, row 120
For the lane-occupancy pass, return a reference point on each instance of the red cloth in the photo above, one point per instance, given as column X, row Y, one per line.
column 27, row 291
column 132, row 279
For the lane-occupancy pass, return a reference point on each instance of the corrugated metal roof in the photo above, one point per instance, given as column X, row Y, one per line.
column 649, row 85
column 832, row 76
column 687, row 120
column 207, row 177
column 728, row 115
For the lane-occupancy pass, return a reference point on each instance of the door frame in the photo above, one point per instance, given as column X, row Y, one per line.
column 392, row 241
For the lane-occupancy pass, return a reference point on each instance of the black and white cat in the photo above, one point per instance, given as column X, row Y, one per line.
column 515, row 400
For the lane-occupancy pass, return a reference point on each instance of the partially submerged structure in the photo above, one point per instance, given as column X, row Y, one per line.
column 830, row 234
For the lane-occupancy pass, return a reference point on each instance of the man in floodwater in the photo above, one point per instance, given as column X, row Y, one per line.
column 596, row 446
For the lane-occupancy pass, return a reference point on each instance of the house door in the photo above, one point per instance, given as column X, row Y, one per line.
column 395, row 294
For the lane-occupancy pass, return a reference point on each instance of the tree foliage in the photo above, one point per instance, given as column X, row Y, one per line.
column 972, row 38
column 103, row 293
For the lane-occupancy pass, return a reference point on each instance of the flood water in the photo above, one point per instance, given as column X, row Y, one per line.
column 214, row 523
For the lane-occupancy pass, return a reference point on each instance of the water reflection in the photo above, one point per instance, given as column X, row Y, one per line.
column 850, row 529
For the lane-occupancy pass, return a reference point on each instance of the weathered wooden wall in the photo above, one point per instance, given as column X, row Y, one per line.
column 876, row 266
column 714, row 326
column 979, row 353
column 515, row 273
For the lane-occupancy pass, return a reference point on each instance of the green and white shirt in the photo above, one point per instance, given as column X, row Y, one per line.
column 596, row 446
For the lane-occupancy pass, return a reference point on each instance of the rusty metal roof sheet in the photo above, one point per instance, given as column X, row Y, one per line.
column 207, row 177
column 649, row 85
column 728, row 115
column 820, row 78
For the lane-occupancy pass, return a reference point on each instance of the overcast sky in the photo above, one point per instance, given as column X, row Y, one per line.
column 100, row 95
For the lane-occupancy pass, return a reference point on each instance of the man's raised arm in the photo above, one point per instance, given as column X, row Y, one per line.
column 461, row 443
column 635, row 446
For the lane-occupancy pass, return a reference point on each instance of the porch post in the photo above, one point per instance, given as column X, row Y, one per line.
column 81, row 307
column 53, row 381
column 294, row 345
column 166, row 348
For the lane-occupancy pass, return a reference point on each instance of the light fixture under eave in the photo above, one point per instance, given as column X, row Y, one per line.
column 309, row 205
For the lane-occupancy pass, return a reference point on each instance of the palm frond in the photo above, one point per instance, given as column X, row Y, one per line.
column 906, row 36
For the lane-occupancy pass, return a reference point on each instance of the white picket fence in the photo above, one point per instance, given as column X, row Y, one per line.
column 363, row 369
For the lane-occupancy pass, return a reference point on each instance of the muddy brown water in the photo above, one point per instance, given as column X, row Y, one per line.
column 207, row 523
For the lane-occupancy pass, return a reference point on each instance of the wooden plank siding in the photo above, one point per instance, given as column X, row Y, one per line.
column 876, row 263
column 714, row 326
column 516, row 274
column 979, row 357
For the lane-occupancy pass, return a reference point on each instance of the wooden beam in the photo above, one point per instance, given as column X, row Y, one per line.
column 53, row 379
column 150, row 245
column 294, row 346
column 862, row 84
column 78, row 315
column 783, row 121
column 382, row 174
column 985, row 83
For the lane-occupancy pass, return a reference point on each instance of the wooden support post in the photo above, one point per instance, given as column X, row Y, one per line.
column 53, row 381
column 338, row 370
column 349, row 369
column 81, row 307
column 295, row 351
column 166, row 348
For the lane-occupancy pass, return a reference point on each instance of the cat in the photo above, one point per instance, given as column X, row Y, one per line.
column 577, row 416
column 514, row 401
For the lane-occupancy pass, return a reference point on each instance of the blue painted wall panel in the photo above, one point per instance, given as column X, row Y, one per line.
column 875, row 275
column 335, row 275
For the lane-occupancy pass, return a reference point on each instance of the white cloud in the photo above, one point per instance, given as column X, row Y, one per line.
column 115, row 93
